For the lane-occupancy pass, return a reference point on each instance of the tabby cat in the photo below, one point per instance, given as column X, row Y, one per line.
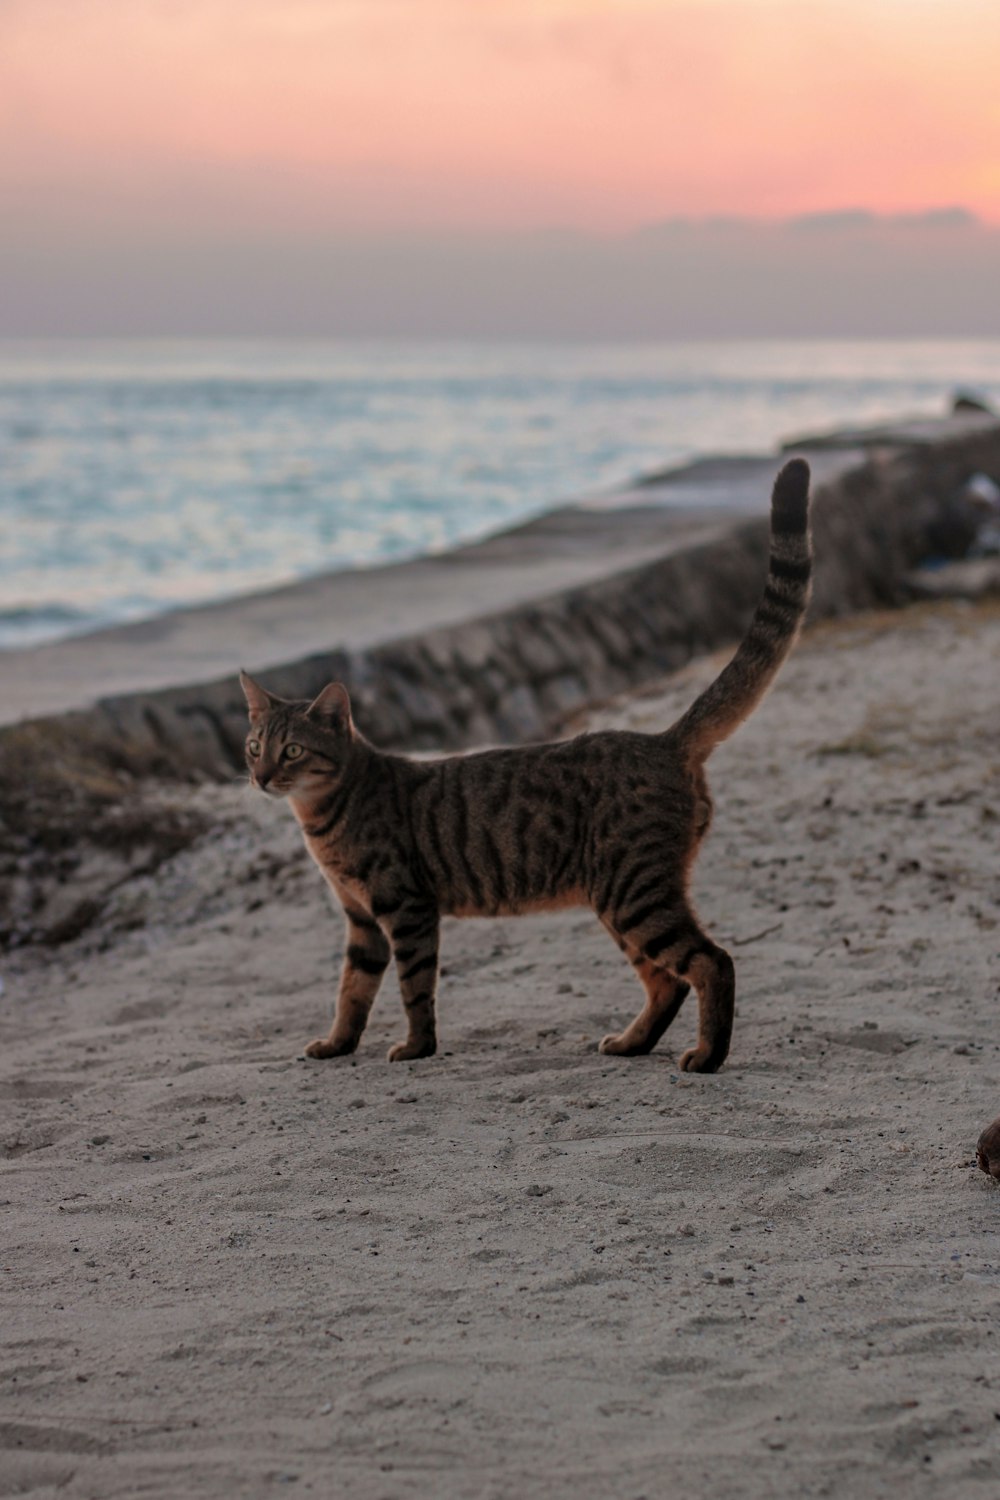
column 610, row 820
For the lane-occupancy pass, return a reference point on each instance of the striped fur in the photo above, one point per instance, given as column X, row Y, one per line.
column 611, row 820
column 735, row 693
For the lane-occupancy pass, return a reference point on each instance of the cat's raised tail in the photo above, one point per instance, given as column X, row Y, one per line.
column 772, row 632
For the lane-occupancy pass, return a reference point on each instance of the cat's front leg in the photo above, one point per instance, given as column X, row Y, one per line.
column 366, row 958
column 414, row 936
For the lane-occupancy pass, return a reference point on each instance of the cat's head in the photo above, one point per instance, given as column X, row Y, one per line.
column 295, row 749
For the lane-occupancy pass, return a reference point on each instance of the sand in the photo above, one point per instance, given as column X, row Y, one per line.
column 521, row 1269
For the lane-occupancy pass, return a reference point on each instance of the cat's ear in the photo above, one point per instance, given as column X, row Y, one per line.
column 259, row 700
column 332, row 707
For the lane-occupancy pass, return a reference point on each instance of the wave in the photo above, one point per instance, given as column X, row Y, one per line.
column 29, row 625
column 134, row 482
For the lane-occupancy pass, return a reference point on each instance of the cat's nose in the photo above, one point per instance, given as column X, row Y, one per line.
column 263, row 777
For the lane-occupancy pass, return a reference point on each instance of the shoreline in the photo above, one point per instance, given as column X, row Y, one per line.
column 503, row 638
column 571, row 544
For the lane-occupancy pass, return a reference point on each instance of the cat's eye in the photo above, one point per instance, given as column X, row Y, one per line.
column 292, row 752
column 253, row 747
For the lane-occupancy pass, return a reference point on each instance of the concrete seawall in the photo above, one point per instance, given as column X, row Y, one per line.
column 516, row 674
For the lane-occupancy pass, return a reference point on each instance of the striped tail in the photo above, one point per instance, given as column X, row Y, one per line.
column 740, row 686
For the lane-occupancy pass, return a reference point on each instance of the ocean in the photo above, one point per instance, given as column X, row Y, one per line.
column 141, row 476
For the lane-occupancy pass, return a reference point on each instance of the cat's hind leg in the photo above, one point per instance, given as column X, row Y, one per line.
column 366, row 958
column 713, row 976
column 665, row 994
column 669, row 938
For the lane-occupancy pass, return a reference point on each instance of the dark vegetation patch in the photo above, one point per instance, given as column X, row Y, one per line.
column 81, row 812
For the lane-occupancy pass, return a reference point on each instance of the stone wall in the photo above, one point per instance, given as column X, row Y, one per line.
column 517, row 675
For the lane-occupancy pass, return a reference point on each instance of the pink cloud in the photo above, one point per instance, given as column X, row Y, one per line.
column 231, row 114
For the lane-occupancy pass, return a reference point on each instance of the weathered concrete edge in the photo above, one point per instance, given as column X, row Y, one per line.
column 518, row 674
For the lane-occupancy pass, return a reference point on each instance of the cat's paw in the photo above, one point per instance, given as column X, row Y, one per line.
column 699, row 1060
column 323, row 1047
column 405, row 1051
column 617, row 1044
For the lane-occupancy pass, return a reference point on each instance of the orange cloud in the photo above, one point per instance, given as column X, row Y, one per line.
column 326, row 114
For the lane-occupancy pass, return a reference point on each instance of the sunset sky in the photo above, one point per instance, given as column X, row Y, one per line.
column 134, row 123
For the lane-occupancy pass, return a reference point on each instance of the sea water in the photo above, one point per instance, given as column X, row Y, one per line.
column 140, row 476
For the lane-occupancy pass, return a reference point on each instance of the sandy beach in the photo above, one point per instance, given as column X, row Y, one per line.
column 504, row 367
column 521, row 1269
